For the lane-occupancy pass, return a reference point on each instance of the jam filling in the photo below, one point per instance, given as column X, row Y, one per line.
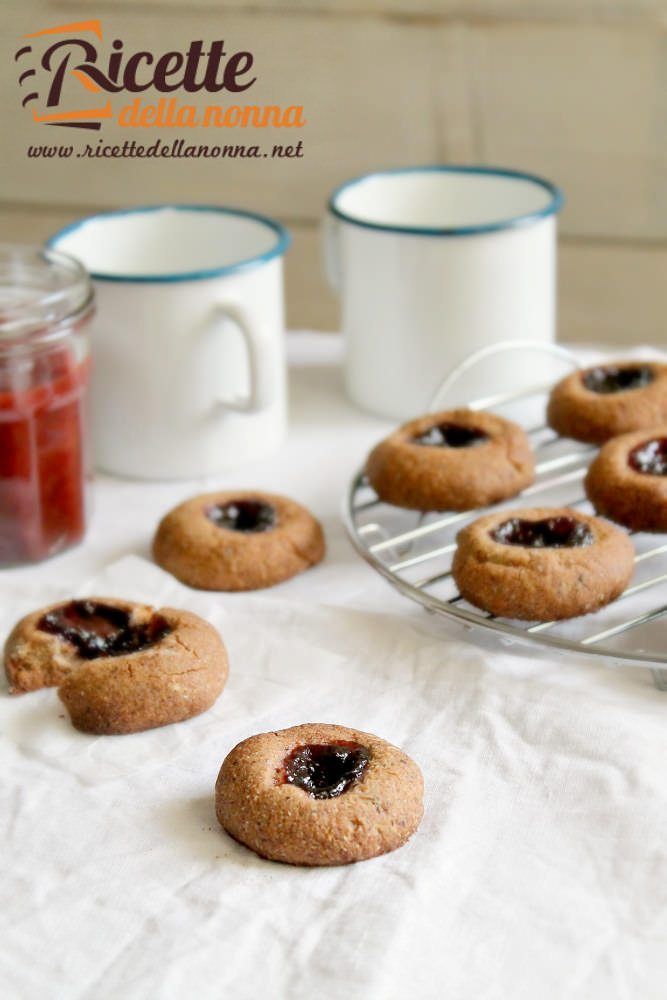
column 326, row 770
column 650, row 457
column 606, row 381
column 244, row 515
column 451, row 436
column 102, row 630
column 551, row 533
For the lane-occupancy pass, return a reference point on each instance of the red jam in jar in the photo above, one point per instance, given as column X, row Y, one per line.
column 45, row 304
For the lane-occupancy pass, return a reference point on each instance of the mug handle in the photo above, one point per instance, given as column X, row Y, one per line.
column 331, row 251
column 259, row 396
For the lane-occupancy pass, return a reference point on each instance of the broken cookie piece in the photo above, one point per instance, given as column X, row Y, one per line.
column 119, row 667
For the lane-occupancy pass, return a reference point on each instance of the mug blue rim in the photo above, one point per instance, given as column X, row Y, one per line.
column 552, row 208
column 281, row 246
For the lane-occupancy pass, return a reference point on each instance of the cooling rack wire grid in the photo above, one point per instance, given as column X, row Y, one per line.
column 413, row 551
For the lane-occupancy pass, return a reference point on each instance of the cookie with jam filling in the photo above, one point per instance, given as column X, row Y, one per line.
column 601, row 402
column 119, row 667
column 627, row 481
column 541, row 564
column 237, row 540
column 452, row 460
column 319, row 794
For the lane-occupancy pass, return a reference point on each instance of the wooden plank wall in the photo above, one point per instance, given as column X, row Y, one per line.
column 573, row 89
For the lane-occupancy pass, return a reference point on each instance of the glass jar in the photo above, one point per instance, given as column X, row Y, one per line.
column 46, row 301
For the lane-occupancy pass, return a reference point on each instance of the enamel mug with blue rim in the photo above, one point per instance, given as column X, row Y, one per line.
column 189, row 374
column 433, row 264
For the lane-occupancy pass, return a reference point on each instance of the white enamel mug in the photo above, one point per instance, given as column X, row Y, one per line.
column 189, row 372
column 433, row 263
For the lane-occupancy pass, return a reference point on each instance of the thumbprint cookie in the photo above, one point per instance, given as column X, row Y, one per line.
column 238, row 540
column 598, row 403
column 627, row 481
column 541, row 564
column 119, row 667
column 319, row 794
column 454, row 460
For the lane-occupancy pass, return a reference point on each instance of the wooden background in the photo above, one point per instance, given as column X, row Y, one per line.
column 573, row 89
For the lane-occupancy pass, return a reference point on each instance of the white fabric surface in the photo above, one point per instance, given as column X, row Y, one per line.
column 540, row 868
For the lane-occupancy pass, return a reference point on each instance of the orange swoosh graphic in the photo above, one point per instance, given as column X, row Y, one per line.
column 94, row 26
column 104, row 112
column 86, row 81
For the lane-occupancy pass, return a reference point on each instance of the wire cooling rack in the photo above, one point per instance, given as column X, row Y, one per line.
column 413, row 550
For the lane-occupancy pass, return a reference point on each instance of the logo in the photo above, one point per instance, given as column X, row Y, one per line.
column 70, row 77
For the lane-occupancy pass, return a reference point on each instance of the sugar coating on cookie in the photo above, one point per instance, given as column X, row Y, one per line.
column 319, row 794
column 627, row 481
column 452, row 460
column 120, row 667
column 238, row 540
column 603, row 401
column 541, row 564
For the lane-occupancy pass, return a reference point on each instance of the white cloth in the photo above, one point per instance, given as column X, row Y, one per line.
column 540, row 867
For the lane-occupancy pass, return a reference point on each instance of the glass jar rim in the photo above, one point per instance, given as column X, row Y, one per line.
column 43, row 293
